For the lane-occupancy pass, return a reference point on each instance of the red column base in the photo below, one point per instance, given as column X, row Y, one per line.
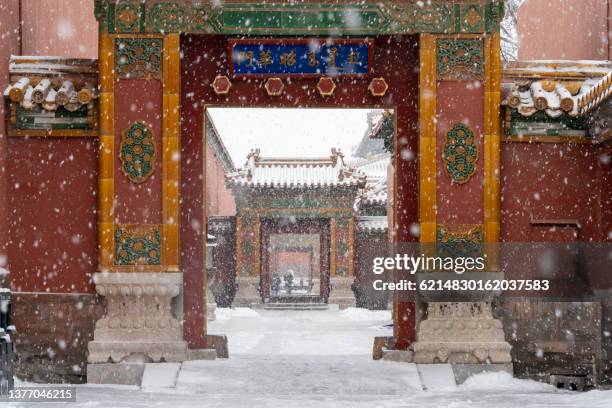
column 404, row 328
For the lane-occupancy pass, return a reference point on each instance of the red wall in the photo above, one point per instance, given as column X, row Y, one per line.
column 564, row 29
column 63, row 28
column 138, row 100
column 566, row 185
column 219, row 200
column 552, row 181
column 52, row 200
column 459, row 101
column 9, row 27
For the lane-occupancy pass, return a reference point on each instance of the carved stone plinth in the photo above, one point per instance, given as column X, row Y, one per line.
column 461, row 333
column 247, row 292
column 341, row 292
column 138, row 321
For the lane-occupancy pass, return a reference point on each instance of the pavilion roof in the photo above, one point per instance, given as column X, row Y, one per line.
column 283, row 172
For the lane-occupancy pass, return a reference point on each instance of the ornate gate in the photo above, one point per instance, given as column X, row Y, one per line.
column 163, row 62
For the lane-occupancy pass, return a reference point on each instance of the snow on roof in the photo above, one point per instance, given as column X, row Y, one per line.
column 378, row 123
column 271, row 172
column 372, row 223
column 596, row 95
column 375, row 194
column 556, row 87
column 375, row 168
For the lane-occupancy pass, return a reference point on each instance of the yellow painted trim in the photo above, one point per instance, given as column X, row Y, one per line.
column 106, row 182
column 492, row 150
column 171, row 151
column 427, row 137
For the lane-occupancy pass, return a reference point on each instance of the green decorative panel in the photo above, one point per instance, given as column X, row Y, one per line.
column 459, row 241
column 170, row 17
column 137, row 245
column 128, row 16
column 137, row 152
column 309, row 19
column 460, row 153
column 472, row 19
column 61, row 118
column 495, row 14
column 429, row 18
column 342, row 270
column 459, row 59
column 102, row 12
column 167, row 17
column 138, row 57
column 296, row 203
column 541, row 124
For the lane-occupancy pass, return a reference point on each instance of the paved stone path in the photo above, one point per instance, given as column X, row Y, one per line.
column 315, row 359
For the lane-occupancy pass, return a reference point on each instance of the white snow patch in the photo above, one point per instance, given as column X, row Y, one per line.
column 503, row 381
column 226, row 313
column 356, row 314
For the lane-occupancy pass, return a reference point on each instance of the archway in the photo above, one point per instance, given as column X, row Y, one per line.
column 393, row 58
column 162, row 57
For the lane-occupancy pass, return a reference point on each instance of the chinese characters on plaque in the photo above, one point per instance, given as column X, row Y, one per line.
column 348, row 57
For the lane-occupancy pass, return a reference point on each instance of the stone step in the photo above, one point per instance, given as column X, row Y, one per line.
column 296, row 299
column 437, row 377
column 293, row 306
column 160, row 375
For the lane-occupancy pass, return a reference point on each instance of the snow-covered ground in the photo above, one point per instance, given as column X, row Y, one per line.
column 319, row 359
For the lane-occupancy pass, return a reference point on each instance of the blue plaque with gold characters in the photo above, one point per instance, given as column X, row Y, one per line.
column 300, row 57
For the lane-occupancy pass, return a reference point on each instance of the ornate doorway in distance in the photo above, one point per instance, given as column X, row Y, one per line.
column 295, row 260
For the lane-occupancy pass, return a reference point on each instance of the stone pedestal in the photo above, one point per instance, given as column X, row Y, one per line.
column 138, row 323
column 341, row 292
column 247, row 292
column 461, row 332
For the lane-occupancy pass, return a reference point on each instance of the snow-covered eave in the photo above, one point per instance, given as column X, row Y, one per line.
column 353, row 185
column 372, row 224
column 557, row 88
column 34, row 64
column 559, row 69
column 51, row 82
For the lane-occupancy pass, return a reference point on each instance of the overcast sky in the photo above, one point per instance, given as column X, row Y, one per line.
column 289, row 132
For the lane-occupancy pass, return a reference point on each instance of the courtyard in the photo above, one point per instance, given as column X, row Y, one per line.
column 316, row 358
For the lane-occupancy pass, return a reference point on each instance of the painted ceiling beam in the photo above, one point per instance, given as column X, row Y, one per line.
column 306, row 18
